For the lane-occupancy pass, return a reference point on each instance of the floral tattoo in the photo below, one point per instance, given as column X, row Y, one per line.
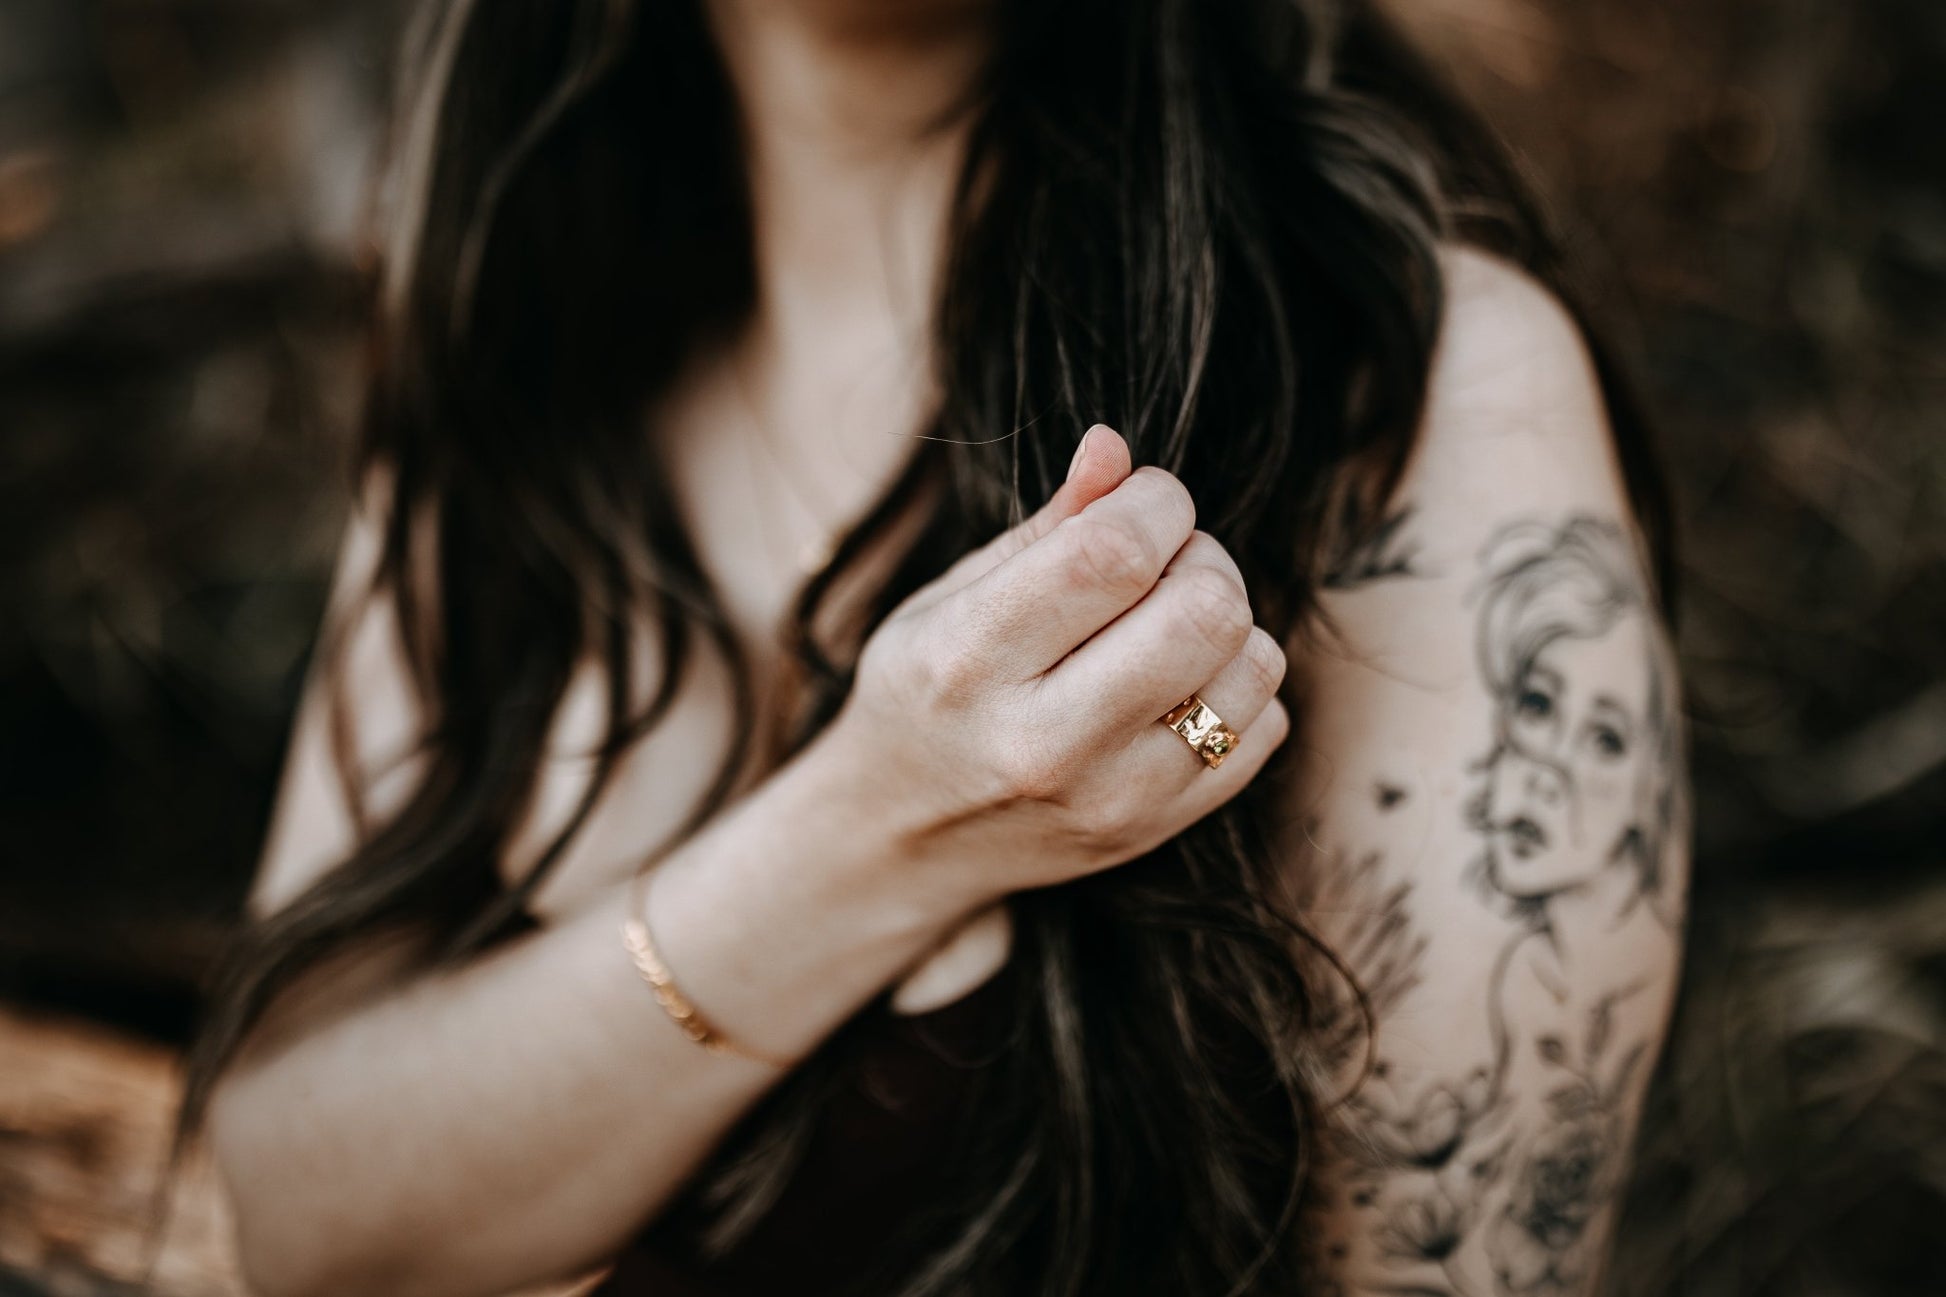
column 1496, row 1180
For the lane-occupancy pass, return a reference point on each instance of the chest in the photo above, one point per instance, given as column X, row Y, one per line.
column 762, row 525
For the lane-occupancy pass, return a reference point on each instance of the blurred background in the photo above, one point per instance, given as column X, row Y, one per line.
column 1761, row 183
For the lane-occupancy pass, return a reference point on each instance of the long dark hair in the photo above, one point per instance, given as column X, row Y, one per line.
column 1210, row 223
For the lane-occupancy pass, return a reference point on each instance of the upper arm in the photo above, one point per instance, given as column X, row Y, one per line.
column 357, row 724
column 1491, row 806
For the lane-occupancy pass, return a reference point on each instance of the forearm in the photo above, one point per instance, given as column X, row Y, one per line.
column 515, row 1119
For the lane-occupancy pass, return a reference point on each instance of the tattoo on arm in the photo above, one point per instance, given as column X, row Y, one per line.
column 1375, row 958
column 1495, row 1180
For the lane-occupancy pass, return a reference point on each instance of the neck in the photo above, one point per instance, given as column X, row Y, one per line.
column 854, row 129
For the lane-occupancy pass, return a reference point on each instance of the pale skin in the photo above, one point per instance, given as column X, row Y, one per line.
column 1595, row 911
column 515, row 1121
column 1531, row 926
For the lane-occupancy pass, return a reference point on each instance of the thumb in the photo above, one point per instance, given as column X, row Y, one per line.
column 1101, row 463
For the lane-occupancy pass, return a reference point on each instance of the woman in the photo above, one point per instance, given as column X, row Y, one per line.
column 732, row 611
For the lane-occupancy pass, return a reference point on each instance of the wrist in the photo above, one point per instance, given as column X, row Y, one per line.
column 795, row 908
column 848, row 785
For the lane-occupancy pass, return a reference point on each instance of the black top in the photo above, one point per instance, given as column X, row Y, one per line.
column 872, row 1162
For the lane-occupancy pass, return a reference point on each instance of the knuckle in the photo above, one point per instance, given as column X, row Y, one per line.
column 1033, row 772
column 1215, row 608
column 1167, row 495
column 946, row 668
column 1202, row 547
column 1105, row 821
column 1111, row 554
column 1263, row 660
column 1271, row 728
column 1098, row 833
column 1208, row 550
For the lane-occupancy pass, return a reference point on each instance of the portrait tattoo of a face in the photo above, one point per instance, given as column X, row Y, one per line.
column 1576, row 808
column 1580, row 775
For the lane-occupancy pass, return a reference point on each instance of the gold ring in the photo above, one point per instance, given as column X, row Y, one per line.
column 1203, row 730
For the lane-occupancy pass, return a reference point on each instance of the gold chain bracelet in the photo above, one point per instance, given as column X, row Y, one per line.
column 680, row 1008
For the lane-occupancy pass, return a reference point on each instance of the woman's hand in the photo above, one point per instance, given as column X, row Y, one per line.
column 1010, row 710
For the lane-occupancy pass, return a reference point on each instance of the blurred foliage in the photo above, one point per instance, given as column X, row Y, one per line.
column 1758, row 185
column 180, row 184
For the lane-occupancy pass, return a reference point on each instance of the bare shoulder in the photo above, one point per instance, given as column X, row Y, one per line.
column 1515, row 418
column 359, row 706
column 1508, row 349
column 1515, row 439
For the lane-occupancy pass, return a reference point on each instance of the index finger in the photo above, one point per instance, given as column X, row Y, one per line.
column 1101, row 463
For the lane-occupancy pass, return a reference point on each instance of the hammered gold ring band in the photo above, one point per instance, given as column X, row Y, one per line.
column 1202, row 729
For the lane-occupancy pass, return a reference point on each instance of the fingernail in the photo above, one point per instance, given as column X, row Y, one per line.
column 1079, row 451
